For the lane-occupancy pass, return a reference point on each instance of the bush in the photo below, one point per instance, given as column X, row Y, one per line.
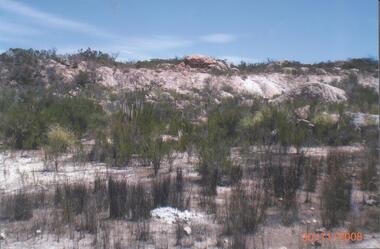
column 335, row 193
column 325, row 128
column 178, row 199
column 22, row 126
column 79, row 114
column 245, row 210
column 22, row 207
column 168, row 193
column 100, row 192
column 214, row 143
column 26, row 116
column 284, row 176
column 139, row 202
column 90, row 217
column 156, row 152
column 60, row 141
column 75, row 197
column 130, row 201
column 161, row 190
column 122, row 141
column 18, row 206
column 117, row 192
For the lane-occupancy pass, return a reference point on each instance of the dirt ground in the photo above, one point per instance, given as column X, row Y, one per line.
column 27, row 170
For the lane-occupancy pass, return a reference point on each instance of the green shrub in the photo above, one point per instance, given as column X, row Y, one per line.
column 26, row 116
column 59, row 141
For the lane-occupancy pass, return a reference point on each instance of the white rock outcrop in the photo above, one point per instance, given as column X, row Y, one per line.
column 313, row 92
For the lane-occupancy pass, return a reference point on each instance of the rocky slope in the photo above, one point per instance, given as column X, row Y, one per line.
column 275, row 80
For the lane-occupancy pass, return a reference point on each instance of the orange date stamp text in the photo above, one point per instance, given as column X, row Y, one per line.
column 311, row 237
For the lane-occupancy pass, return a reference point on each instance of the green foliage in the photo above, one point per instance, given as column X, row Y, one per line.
column 22, row 124
column 334, row 129
column 23, row 127
column 365, row 99
column 59, row 141
column 122, row 141
column 137, row 129
column 91, row 55
column 156, row 151
column 216, row 138
column 273, row 125
column 26, row 115
column 78, row 114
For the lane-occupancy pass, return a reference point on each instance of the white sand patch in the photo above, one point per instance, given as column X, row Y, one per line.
column 27, row 170
column 170, row 215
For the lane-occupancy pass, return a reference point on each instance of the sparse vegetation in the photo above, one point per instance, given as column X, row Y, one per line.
column 335, row 192
column 240, row 162
column 244, row 210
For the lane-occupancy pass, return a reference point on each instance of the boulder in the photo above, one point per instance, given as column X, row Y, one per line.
column 205, row 62
column 315, row 92
column 199, row 61
column 303, row 112
column 187, row 230
column 372, row 200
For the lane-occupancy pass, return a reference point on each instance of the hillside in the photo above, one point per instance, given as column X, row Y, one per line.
column 189, row 152
column 183, row 76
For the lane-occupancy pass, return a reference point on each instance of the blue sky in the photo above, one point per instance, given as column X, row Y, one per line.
column 249, row 30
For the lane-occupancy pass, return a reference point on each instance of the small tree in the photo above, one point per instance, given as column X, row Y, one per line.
column 59, row 141
column 157, row 149
column 170, row 155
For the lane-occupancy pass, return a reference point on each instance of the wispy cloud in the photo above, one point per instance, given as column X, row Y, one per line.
column 142, row 47
column 218, row 38
column 48, row 19
column 136, row 48
column 11, row 28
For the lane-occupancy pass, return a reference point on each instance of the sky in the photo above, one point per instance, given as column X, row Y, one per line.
column 240, row 30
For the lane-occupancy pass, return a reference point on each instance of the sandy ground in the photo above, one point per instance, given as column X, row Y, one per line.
column 27, row 170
